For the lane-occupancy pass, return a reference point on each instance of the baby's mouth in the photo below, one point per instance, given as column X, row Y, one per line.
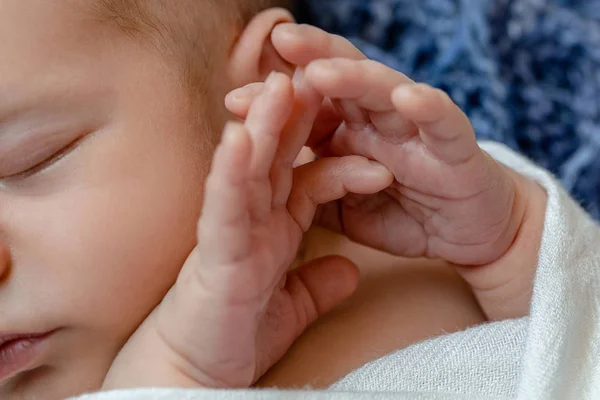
column 20, row 353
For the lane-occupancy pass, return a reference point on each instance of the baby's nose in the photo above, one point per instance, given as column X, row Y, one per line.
column 4, row 261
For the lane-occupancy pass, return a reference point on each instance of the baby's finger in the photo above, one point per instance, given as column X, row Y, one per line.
column 367, row 82
column 317, row 287
column 301, row 44
column 266, row 119
column 307, row 103
column 444, row 128
column 238, row 101
column 330, row 179
column 224, row 224
column 360, row 91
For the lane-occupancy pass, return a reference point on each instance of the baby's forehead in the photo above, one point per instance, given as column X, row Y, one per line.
column 181, row 30
column 74, row 39
column 157, row 19
column 41, row 40
column 50, row 47
column 133, row 18
column 57, row 51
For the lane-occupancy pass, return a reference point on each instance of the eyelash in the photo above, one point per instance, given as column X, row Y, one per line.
column 47, row 163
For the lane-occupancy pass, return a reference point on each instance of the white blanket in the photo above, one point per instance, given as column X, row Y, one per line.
column 552, row 354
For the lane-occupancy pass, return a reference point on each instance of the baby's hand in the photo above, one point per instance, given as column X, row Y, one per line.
column 235, row 309
column 450, row 200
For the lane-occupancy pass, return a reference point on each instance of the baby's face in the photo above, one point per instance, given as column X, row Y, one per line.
column 101, row 173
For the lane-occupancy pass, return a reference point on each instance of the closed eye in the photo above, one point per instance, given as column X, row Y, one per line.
column 47, row 162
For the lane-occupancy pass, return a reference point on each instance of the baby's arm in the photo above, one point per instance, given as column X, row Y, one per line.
column 235, row 309
column 451, row 200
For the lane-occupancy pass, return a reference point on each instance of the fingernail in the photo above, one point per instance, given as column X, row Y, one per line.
column 378, row 166
column 272, row 82
column 239, row 94
column 269, row 82
column 230, row 132
column 403, row 91
column 271, row 76
column 298, row 75
column 288, row 27
column 323, row 66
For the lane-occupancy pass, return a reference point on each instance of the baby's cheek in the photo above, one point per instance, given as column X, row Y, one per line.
column 101, row 264
column 138, row 251
column 99, row 257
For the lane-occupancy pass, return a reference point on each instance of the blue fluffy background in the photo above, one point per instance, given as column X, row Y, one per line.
column 527, row 72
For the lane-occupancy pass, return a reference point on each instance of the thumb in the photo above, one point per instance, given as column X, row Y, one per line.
column 314, row 289
column 319, row 286
column 330, row 179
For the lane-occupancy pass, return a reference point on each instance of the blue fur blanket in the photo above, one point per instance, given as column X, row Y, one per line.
column 527, row 72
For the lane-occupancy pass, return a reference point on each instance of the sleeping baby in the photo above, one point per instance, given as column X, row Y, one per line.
column 148, row 242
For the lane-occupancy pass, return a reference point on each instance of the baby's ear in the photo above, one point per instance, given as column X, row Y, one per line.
column 253, row 56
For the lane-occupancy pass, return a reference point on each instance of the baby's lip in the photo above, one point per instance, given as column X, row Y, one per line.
column 10, row 337
column 21, row 352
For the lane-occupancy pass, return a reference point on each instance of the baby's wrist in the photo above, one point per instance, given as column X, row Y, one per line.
column 147, row 361
column 504, row 287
